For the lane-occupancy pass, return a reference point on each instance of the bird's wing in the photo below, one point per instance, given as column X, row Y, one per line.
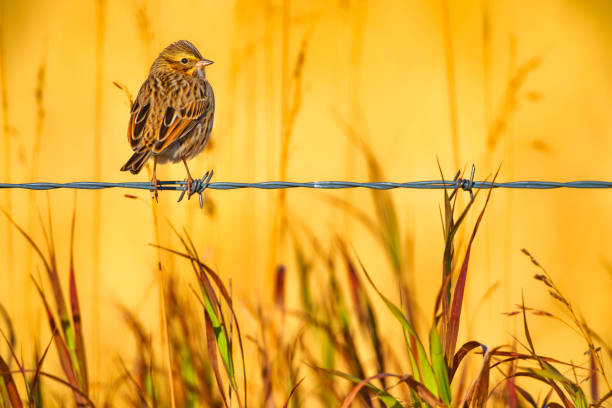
column 178, row 122
column 139, row 114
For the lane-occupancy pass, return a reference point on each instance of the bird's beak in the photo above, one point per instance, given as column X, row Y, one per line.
column 203, row 63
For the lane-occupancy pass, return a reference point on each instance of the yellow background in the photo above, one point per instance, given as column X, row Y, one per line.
column 380, row 66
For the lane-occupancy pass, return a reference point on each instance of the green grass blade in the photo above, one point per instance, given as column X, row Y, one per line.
column 79, row 341
column 573, row 390
column 212, row 355
column 420, row 363
column 223, row 344
column 210, row 303
column 389, row 400
column 439, row 365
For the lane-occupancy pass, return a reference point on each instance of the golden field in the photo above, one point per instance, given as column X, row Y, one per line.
column 519, row 84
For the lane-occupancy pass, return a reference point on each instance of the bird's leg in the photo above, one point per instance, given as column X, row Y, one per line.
column 189, row 180
column 155, row 181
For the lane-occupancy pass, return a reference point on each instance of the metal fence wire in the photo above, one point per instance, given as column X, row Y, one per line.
column 200, row 185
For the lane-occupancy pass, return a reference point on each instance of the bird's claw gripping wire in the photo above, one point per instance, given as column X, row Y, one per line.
column 464, row 184
column 154, row 191
column 197, row 186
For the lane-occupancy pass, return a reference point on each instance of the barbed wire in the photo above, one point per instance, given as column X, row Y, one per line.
column 200, row 185
column 273, row 185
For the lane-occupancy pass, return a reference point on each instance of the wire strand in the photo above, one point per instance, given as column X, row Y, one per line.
column 273, row 185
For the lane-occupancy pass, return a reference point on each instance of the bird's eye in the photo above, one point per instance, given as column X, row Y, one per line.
column 184, row 60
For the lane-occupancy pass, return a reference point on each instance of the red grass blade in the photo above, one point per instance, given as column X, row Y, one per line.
column 547, row 398
column 455, row 312
column 10, row 329
column 461, row 353
column 279, row 287
column 9, row 383
column 478, row 391
column 593, row 376
column 512, row 390
column 295, row 387
column 482, row 386
column 527, row 396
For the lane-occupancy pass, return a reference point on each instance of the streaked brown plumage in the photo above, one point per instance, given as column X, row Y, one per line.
column 173, row 114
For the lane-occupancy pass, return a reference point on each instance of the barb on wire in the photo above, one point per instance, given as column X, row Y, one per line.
column 465, row 184
column 197, row 186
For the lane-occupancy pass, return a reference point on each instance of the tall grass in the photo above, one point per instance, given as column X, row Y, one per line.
column 65, row 325
column 327, row 351
column 327, row 348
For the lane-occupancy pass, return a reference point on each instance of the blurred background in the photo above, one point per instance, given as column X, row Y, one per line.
column 519, row 84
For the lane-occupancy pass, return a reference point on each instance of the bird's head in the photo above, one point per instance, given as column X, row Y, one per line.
column 180, row 57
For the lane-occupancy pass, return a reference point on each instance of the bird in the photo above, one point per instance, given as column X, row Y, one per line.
column 172, row 117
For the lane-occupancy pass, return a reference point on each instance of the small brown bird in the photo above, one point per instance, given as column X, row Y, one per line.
column 173, row 114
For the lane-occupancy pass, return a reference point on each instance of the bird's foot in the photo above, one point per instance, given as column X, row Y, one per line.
column 154, row 192
column 189, row 183
column 197, row 186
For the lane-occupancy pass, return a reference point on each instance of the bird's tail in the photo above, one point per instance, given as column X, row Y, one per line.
column 135, row 163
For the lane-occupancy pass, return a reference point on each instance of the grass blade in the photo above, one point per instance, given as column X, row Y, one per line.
column 421, row 367
column 62, row 350
column 420, row 389
column 212, row 344
column 11, row 331
column 462, row 352
column 212, row 309
column 602, row 400
column 365, row 311
column 527, row 396
column 439, row 365
column 455, row 312
column 295, row 387
column 9, row 388
column 542, row 363
column 478, row 391
column 34, row 382
column 385, row 397
column 79, row 345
